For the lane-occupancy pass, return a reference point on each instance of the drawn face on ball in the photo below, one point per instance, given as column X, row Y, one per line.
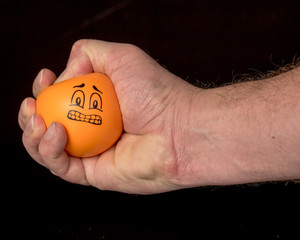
column 86, row 104
column 88, row 108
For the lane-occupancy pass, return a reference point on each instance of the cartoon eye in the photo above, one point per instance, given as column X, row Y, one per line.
column 96, row 102
column 78, row 99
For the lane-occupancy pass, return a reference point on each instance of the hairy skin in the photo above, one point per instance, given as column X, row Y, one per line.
column 175, row 135
column 250, row 132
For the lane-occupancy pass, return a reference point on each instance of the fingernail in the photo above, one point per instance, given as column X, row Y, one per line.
column 41, row 76
column 38, row 79
column 30, row 127
column 51, row 132
column 24, row 109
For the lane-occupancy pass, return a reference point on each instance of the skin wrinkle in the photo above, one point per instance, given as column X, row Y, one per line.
column 159, row 108
column 182, row 122
column 118, row 57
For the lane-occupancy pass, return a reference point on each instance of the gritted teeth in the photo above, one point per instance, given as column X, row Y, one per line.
column 77, row 116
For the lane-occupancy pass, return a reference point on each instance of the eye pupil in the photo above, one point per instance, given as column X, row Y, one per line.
column 78, row 101
column 95, row 104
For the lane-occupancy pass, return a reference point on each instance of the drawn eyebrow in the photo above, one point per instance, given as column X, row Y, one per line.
column 97, row 89
column 81, row 86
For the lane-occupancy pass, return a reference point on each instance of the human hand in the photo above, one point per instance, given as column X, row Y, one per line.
column 144, row 160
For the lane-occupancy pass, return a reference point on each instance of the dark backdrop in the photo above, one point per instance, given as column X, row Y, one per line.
column 204, row 41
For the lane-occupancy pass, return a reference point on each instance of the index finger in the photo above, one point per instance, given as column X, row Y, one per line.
column 44, row 79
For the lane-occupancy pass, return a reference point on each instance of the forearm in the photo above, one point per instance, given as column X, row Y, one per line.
column 246, row 132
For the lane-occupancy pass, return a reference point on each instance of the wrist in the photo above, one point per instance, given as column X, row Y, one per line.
column 188, row 119
column 209, row 140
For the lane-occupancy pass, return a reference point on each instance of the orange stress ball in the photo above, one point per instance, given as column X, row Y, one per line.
column 88, row 108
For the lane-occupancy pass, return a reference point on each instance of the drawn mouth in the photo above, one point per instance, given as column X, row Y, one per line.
column 77, row 116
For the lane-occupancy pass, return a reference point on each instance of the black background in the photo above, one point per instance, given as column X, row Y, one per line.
column 202, row 42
